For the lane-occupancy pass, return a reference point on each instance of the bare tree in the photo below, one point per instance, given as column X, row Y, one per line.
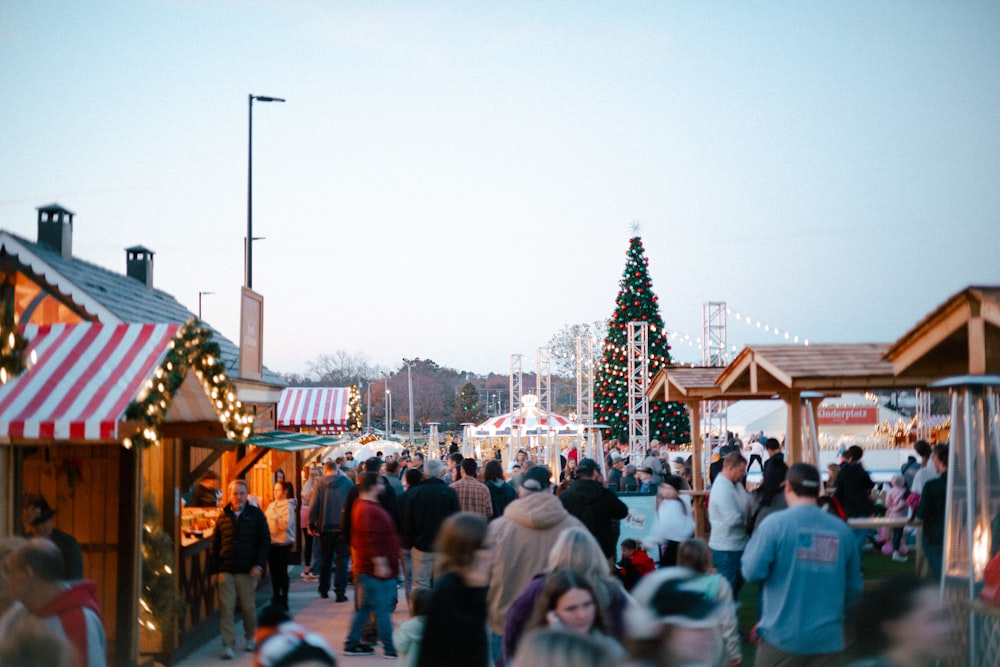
column 341, row 369
column 563, row 344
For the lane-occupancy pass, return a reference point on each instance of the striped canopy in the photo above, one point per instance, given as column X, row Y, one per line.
column 85, row 377
column 530, row 419
column 322, row 407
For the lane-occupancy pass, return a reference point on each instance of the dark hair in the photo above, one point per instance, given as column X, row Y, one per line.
column 458, row 539
column 420, row 601
column 373, row 464
column 629, row 543
column 469, row 467
column 391, row 466
column 941, row 454
column 492, row 470
column 772, row 444
column 413, row 477
column 456, row 457
column 557, row 583
column 209, row 474
column 923, row 448
column 289, row 489
column 855, row 453
column 804, row 480
column 367, row 481
column 884, row 602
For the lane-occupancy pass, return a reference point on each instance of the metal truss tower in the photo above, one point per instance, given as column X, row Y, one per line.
column 585, row 380
column 516, row 369
column 923, row 414
column 638, row 382
column 714, row 352
column 543, row 377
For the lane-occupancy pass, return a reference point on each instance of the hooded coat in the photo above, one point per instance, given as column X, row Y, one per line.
column 523, row 537
column 598, row 508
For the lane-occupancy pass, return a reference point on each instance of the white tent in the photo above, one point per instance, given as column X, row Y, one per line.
column 745, row 418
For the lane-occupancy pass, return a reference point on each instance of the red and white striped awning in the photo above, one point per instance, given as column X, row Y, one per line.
column 85, row 377
column 321, row 407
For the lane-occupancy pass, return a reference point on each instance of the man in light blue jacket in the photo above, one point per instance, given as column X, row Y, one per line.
column 809, row 569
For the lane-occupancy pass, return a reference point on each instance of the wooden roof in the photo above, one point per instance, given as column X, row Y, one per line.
column 783, row 369
column 689, row 383
column 960, row 337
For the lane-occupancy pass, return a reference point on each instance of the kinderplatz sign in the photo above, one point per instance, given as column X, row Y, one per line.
column 847, row 415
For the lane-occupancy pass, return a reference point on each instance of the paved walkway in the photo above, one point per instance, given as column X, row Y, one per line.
column 326, row 617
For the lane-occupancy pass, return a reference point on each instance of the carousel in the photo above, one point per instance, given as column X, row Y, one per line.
column 543, row 435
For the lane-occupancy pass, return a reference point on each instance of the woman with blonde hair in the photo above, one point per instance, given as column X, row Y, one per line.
column 576, row 550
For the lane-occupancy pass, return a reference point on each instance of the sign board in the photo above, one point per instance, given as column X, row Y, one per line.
column 639, row 522
column 251, row 335
column 838, row 415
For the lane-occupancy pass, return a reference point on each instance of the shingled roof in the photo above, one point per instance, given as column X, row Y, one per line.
column 106, row 296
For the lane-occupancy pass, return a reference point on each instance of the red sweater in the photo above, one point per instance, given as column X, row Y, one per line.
column 373, row 534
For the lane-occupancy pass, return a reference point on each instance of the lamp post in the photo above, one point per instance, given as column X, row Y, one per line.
column 248, row 278
column 201, row 294
column 409, row 382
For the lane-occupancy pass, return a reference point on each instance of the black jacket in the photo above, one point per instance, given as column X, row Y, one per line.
column 598, row 509
column 854, row 488
column 426, row 507
column 239, row 543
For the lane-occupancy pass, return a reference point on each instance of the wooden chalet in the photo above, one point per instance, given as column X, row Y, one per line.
column 72, row 425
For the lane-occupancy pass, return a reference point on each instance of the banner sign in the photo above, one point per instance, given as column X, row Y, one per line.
column 841, row 415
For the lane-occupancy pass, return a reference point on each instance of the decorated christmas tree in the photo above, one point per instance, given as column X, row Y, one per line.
column 636, row 302
column 355, row 417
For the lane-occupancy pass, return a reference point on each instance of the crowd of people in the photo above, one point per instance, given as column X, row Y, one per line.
column 519, row 567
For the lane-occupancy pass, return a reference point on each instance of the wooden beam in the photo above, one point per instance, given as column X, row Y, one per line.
column 126, row 648
column 793, row 430
column 248, row 461
column 934, row 334
column 977, row 346
column 192, row 476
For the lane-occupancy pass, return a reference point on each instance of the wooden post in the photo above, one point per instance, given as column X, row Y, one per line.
column 126, row 648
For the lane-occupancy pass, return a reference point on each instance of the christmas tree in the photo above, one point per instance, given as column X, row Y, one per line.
column 668, row 422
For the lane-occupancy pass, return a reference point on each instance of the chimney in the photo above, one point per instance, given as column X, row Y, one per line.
column 55, row 229
column 139, row 264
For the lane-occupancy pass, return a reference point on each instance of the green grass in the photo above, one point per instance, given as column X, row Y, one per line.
column 875, row 566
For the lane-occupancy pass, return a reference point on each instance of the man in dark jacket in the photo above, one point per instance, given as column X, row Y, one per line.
column 325, row 517
column 240, row 545
column 595, row 506
column 427, row 506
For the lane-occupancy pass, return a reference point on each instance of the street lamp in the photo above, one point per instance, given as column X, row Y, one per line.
column 409, row 382
column 248, row 278
column 201, row 294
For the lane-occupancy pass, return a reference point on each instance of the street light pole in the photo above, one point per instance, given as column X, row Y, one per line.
column 409, row 381
column 248, row 278
column 200, row 294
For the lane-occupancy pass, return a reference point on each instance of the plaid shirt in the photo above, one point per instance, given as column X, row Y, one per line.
column 473, row 496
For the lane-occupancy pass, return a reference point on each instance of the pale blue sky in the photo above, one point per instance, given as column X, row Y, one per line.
column 458, row 180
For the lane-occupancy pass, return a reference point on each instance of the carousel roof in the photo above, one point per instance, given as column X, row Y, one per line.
column 530, row 419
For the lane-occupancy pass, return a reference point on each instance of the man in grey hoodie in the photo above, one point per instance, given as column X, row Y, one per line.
column 523, row 538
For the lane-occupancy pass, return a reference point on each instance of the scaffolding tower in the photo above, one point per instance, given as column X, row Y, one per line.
column 543, row 377
column 638, row 383
column 714, row 352
column 585, row 380
column 516, row 369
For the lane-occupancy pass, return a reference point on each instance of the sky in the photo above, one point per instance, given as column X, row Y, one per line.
column 458, row 181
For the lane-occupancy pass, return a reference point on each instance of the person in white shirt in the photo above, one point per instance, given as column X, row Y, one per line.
column 728, row 509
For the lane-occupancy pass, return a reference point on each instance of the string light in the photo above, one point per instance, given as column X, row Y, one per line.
column 197, row 351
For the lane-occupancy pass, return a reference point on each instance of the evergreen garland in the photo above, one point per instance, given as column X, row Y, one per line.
column 160, row 602
column 192, row 348
column 636, row 302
